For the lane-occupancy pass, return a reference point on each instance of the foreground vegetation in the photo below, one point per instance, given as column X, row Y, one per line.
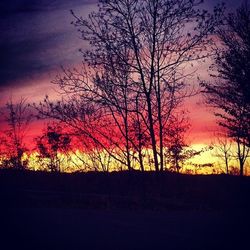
column 125, row 190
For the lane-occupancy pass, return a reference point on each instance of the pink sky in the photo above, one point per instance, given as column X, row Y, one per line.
column 38, row 39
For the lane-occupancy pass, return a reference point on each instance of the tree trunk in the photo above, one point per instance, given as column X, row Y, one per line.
column 241, row 167
column 152, row 134
column 128, row 158
column 141, row 160
column 127, row 139
column 160, row 132
column 241, row 156
column 227, row 167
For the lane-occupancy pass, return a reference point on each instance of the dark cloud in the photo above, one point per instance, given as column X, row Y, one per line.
column 19, row 6
column 20, row 59
column 36, row 36
column 36, row 54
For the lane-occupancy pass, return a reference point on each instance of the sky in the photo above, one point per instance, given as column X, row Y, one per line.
column 37, row 37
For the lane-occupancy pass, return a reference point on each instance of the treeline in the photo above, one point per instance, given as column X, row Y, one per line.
column 124, row 104
column 125, row 190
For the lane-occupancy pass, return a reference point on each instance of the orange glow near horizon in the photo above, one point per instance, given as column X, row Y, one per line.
column 200, row 135
column 78, row 161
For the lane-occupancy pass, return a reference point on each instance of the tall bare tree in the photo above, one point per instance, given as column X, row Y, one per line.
column 153, row 41
column 138, row 53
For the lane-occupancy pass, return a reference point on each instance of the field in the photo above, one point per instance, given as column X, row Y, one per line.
column 123, row 211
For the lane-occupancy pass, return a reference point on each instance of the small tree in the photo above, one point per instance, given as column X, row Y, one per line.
column 51, row 144
column 18, row 118
column 175, row 142
column 223, row 150
column 178, row 151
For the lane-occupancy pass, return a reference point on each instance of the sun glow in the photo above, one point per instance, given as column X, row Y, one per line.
column 79, row 161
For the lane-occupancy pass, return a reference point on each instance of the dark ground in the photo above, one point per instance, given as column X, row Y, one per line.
column 123, row 211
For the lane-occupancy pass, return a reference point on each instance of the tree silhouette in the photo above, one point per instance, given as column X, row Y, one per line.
column 51, row 144
column 223, row 150
column 18, row 118
column 229, row 93
column 175, row 143
column 87, row 121
column 178, row 152
column 134, row 72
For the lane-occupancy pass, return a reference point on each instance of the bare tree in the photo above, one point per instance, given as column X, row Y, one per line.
column 242, row 153
column 93, row 157
column 229, row 93
column 223, row 150
column 88, row 121
column 18, row 118
column 139, row 51
column 150, row 40
column 101, row 160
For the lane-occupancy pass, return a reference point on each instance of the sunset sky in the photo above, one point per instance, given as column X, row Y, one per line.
column 124, row 124
column 37, row 37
